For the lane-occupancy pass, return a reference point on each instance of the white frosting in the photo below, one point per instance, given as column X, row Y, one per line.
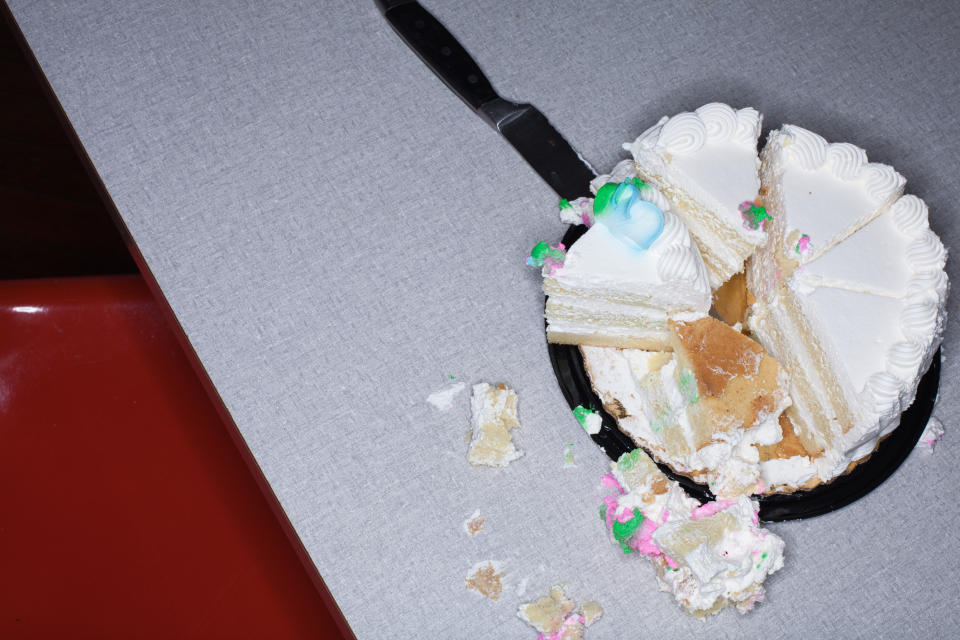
column 713, row 556
column 870, row 293
column 443, row 399
column 705, row 164
column 734, row 558
column 607, row 292
column 711, row 153
column 787, row 472
column 829, row 190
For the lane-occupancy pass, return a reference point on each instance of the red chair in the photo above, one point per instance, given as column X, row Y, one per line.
column 128, row 504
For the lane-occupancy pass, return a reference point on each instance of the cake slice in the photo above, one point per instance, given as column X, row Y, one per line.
column 817, row 194
column 621, row 282
column 705, row 163
column 849, row 289
column 701, row 409
column 862, row 355
column 708, row 557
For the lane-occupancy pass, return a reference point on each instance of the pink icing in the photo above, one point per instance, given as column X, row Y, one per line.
column 710, row 509
column 572, row 620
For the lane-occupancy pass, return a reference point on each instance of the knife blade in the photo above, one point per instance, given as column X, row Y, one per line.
column 522, row 125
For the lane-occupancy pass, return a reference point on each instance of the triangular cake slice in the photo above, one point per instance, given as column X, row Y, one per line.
column 816, row 194
column 861, row 354
column 611, row 290
column 705, row 163
column 701, row 409
column 708, row 557
column 893, row 255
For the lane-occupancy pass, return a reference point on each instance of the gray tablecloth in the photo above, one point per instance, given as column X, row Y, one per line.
column 338, row 235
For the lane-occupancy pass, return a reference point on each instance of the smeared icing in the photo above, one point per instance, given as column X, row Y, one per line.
column 579, row 211
column 802, row 247
column 589, row 419
column 568, row 460
column 547, row 256
column 754, row 215
column 708, row 556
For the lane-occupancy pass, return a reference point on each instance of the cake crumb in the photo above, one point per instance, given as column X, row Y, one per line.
column 442, row 400
column 486, row 578
column 494, row 410
column 591, row 612
column 931, row 436
column 568, row 461
column 474, row 524
column 547, row 614
column 556, row 617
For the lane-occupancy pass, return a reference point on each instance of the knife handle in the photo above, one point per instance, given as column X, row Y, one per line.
column 446, row 57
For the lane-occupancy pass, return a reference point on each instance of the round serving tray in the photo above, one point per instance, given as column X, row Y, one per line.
column 841, row 491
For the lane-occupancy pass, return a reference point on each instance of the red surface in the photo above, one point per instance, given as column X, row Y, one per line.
column 126, row 508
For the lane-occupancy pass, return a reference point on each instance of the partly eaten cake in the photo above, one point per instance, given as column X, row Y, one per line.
column 702, row 408
column 828, row 266
column 635, row 269
column 705, row 164
column 708, row 557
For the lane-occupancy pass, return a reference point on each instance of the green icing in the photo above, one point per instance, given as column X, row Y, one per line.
column 604, row 198
column 661, row 420
column 581, row 413
column 637, row 182
column 688, row 386
column 754, row 216
column 565, row 204
column 628, row 460
column 623, row 531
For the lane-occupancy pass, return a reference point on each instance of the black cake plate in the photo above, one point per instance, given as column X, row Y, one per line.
column 841, row 491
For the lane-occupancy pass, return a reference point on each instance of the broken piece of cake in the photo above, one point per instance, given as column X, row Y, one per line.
column 703, row 408
column 555, row 617
column 494, row 410
column 708, row 557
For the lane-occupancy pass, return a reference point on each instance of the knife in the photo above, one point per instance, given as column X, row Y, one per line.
column 523, row 125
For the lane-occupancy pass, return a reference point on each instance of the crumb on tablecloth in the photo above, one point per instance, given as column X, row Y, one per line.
column 557, row 617
column 486, row 578
column 443, row 399
column 474, row 524
column 931, row 435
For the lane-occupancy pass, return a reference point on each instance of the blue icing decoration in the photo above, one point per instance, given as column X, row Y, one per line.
column 630, row 218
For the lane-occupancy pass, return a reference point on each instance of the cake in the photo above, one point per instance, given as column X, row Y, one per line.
column 708, row 557
column 705, row 164
column 620, row 283
column 809, row 248
column 494, row 417
column 702, row 408
column 849, row 290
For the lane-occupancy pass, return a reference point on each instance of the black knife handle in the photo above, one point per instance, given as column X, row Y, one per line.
column 440, row 51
